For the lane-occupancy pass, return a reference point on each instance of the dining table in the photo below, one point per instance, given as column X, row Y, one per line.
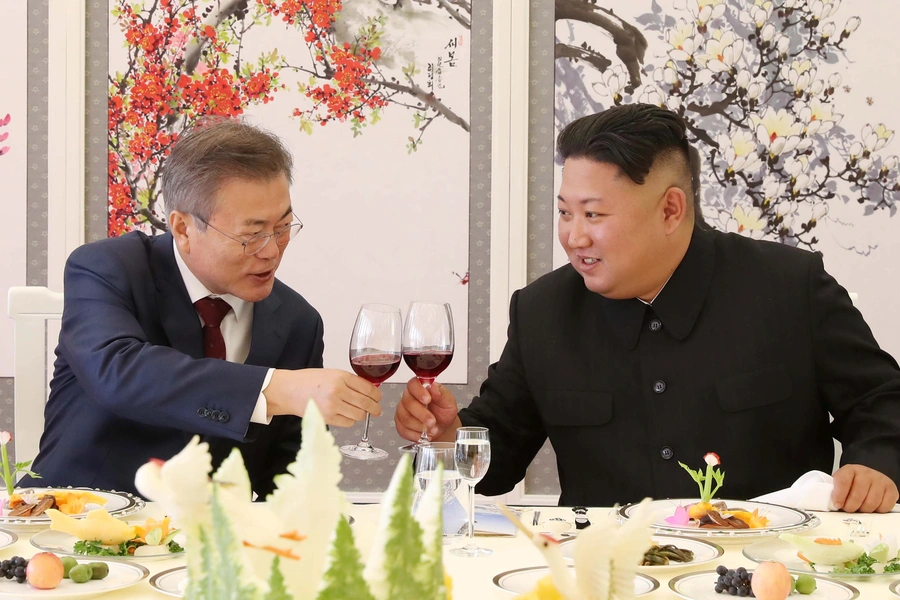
column 473, row 578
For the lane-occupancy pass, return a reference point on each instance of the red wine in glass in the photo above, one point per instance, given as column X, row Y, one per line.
column 375, row 368
column 375, row 346
column 428, row 343
column 428, row 364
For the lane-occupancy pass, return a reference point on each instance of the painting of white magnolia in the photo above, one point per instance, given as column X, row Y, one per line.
column 759, row 85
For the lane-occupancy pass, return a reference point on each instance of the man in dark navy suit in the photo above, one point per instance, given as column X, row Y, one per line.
column 189, row 332
column 661, row 341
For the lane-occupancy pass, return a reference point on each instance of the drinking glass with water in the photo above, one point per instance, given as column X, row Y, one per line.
column 473, row 458
column 428, row 458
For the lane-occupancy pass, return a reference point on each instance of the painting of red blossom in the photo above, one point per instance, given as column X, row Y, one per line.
column 371, row 97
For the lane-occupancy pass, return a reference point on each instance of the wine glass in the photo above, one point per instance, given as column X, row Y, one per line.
column 427, row 346
column 374, row 356
column 428, row 459
column 473, row 457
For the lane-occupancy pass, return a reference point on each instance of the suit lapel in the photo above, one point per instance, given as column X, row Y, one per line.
column 177, row 314
column 268, row 336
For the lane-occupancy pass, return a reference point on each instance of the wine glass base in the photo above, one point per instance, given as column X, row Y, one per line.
column 413, row 448
column 363, row 453
column 471, row 552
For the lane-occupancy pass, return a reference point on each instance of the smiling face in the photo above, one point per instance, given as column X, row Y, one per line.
column 242, row 208
column 624, row 239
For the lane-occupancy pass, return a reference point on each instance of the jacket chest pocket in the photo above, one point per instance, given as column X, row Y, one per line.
column 754, row 389
column 568, row 408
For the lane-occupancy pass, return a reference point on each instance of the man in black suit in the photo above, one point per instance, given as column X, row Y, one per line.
column 661, row 341
column 148, row 321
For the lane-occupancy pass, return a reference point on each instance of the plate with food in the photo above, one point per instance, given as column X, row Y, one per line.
column 101, row 534
column 668, row 552
column 50, row 577
column 30, row 506
column 722, row 520
column 172, row 582
column 839, row 557
column 523, row 581
column 769, row 580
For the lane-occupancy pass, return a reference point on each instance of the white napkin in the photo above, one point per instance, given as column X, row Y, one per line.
column 811, row 492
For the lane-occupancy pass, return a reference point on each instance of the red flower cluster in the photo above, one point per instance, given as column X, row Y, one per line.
column 156, row 97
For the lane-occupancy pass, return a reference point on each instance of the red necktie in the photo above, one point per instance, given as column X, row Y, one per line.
column 212, row 311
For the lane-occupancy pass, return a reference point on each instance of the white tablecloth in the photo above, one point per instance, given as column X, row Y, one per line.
column 472, row 577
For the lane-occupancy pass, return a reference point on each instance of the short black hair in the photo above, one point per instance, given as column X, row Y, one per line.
column 632, row 137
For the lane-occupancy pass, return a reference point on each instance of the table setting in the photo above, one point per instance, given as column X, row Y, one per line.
column 201, row 535
column 513, row 567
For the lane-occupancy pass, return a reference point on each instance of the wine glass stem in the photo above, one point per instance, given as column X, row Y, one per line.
column 471, row 515
column 423, row 439
column 365, row 437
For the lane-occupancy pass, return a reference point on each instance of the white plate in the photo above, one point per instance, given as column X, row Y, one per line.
column 895, row 587
column 522, row 581
column 61, row 543
column 121, row 575
column 169, row 582
column 7, row 538
column 118, row 504
column 781, row 519
column 702, row 586
column 704, row 552
column 781, row 551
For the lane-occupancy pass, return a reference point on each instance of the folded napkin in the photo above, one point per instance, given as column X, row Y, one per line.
column 811, row 492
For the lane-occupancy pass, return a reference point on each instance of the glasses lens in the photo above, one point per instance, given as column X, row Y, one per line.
column 288, row 233
column 255, row 244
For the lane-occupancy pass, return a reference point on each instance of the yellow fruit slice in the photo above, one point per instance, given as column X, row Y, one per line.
column 98, row 525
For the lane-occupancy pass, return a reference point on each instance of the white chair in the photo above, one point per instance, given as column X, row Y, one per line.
column 31, row 308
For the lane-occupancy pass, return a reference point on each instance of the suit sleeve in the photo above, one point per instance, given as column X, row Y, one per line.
column 506, row 407
column 107, row 350
column 859, row 381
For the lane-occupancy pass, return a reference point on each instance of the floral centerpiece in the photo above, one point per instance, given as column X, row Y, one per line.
column 297, row 545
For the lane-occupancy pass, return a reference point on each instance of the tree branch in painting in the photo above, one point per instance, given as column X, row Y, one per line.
column 746, row 78
column 186, row 59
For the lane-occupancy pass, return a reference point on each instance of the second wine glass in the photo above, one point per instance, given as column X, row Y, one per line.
column 428, row 344
column 374, row 356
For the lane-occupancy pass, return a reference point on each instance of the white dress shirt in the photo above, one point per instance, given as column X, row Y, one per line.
column 236, row 327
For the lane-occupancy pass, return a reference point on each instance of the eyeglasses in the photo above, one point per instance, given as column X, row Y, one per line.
column 258, row 241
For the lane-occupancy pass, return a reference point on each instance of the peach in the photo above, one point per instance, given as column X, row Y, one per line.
column 771, row 581
column 44, row 571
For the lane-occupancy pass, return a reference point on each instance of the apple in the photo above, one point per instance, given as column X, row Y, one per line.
column 44, row 571
column 771, row 581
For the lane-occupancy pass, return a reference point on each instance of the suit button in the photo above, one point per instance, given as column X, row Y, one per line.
column 667, row 453
column 214, row 415
column 659, row 387
column 203, row 412
column 223, row 417
column 655, row 325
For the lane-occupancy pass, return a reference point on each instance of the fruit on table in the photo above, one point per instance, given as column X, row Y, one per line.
column 14, row 568
column 771, row 581
column 81, row 573
column 44, row 571
column 99, row 570
column 735, row 582
column 806, row 585
column 68, row 562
